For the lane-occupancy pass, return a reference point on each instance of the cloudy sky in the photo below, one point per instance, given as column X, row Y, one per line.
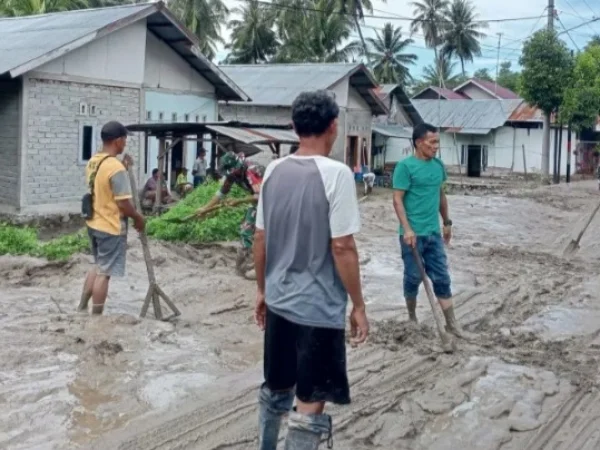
column 570, row 12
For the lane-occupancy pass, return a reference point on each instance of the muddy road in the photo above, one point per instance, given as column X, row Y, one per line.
column 527, row 380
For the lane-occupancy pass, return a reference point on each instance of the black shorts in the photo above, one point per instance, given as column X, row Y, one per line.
column 311, row 359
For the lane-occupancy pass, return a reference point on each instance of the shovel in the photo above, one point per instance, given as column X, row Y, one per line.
column 447, row 342
column 574, row 244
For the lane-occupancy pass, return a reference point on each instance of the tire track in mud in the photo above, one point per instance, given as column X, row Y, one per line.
column 385, row 375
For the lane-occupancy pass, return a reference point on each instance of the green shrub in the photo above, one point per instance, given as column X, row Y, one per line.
column 223, row 225
column 15, row 240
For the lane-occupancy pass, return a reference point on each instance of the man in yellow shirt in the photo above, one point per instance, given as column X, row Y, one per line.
column 109, row 184
column 182, row 184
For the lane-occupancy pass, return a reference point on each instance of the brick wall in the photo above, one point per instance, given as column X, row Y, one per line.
column 9, row 142
column 54, row 174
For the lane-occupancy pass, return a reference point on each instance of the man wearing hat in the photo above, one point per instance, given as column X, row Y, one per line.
column 111, row 207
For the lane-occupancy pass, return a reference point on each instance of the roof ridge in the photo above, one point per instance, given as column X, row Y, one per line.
column 73, row 11
column 288, row 64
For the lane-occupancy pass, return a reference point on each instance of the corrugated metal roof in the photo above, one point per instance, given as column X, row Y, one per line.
column 497, row 90
column 29, row 42
column 467, row 116
column 393, row 131
column 526, row 113
column 256, row 135
column 280, row 84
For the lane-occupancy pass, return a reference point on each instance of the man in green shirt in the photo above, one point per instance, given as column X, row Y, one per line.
column 419, row 200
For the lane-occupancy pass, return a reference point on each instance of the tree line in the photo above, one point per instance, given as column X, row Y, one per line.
column 293, row 31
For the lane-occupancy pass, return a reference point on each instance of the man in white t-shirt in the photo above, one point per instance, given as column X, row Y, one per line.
column 306, row 266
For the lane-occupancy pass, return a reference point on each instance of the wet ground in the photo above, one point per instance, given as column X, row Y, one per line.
column 527, row 378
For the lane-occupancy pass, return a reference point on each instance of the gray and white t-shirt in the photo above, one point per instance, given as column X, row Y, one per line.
column 305, row 202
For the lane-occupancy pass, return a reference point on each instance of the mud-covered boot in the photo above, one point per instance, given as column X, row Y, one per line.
column 272, row 407
column 240, row 261
column 452, row 325
column 411, row 306
column 305, row 431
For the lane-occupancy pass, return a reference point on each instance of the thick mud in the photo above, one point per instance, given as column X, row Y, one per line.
column 527, row 378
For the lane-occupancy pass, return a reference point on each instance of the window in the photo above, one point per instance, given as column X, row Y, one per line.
column 463, row 155
column 161, row 116
column 83, row 109
column 86, row 143
column 174, row 117
column 203, row 118
column 148, row 115
column 197, row 118
column 92, row 110
column 186, row 118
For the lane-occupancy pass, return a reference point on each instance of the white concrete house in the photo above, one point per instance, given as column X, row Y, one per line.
column 482, row 135
column 273, row 87
column 63, row 75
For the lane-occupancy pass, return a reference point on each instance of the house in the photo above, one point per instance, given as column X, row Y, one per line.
column 273, row 87
column 63, row 75
column 488, row 134
column 392, row 132
column 435, row 93
column 477, row 89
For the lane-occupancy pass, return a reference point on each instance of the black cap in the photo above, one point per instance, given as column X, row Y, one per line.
column 113, row 130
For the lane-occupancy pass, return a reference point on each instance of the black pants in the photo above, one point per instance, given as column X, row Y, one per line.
column 311, row 359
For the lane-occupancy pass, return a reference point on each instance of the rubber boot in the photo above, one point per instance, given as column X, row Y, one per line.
column 240, row 260
column 452, row 324
column 272, row 407
column 305, row 431
column 411, row 305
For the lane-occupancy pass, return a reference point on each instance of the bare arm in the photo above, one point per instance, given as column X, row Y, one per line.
column 345, row 256
column 444, row 212
column 260, row 257
column 127, row 209
column 400, row 211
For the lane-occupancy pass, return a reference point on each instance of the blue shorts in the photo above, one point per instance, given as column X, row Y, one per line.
column 431, row 249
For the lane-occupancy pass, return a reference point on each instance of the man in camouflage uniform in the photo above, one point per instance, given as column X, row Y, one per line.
column 248, row 176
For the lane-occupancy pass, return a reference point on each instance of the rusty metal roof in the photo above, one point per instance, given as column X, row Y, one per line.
column 467, row 116
column 280, row 84
column 256, row 136
column 29, row 42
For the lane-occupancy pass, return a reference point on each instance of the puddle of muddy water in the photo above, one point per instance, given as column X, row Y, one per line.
column 503, row 398
column 562, row 322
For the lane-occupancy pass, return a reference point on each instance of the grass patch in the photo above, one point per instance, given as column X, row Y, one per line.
column 15, row 240
column 223, row 225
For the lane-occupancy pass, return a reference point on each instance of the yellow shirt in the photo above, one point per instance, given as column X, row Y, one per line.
column 181, row 179
column 110, row 185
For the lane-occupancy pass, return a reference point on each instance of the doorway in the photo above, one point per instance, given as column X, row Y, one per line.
column 474, row 160
column 176, row 162
column 352, row 153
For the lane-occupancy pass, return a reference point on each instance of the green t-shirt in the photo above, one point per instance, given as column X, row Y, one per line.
column 422, row 182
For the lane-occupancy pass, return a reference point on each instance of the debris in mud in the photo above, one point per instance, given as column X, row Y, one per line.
column 108, row 348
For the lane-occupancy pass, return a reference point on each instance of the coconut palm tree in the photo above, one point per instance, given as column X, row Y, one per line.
column 441, row 72
column 204, row 18
column 387, row 52
column 14, row 8
column 319, row 34
column 431, row 18
column 463, row 33
column 253, row 39
column 357, row 8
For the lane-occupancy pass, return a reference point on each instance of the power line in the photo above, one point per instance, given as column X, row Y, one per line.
column 397, row 18
column 569, row 34
column 595, row 19
column 578, row 15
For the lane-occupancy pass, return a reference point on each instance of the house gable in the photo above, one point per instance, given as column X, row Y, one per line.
column 117, row 57
column 167, row 70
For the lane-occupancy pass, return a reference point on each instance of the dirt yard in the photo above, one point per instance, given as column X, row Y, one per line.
column 528, row 379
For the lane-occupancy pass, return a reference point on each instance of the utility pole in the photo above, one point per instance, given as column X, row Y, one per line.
column 569, row 136
column 546, row 136
column 498, row 62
